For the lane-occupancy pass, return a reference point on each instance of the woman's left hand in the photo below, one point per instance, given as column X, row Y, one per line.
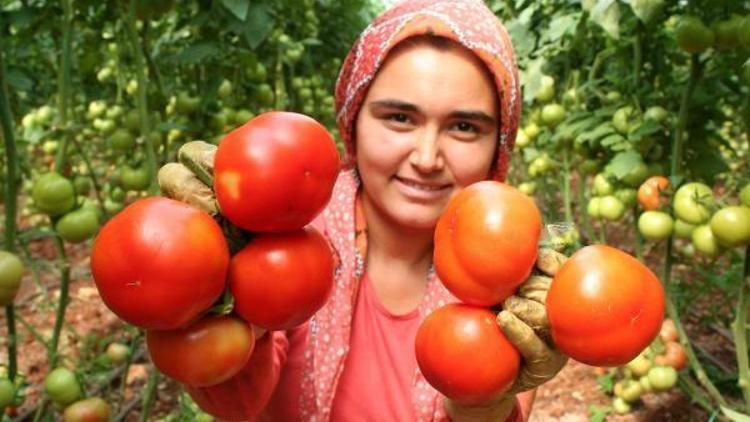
column 524, row 322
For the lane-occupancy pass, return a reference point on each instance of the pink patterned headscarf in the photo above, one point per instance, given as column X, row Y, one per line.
column 467, row 22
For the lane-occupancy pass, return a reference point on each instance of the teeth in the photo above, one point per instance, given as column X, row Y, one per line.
column 419, row 185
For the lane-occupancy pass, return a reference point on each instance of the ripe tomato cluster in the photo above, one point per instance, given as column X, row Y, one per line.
column 161, row 264
column 604, row 306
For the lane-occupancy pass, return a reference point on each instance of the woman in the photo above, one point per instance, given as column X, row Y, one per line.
column 427, row 103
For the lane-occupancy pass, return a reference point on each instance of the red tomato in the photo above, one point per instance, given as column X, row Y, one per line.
column 279, row 280
column 202, row 354
column 245, row 395
column 275, row 172
column 674, row 356
column 463, row 353
column 486, row 242
column 649, row 194
column 159, row 263
column 604, row 306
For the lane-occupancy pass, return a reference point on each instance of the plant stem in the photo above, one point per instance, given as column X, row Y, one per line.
column 92, row 175
column 682, row 119
column 566, row 187
column 149, row 394
column 64, row 264
column 739, row 331
column 637, row 56
column 638, row 237
column 64, row 86
column 140, row 71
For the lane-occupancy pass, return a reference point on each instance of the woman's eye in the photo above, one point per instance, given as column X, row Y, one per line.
column 398, row 117
column 466, row 127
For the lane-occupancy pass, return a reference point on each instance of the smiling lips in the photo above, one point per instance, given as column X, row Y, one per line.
column 419, row 190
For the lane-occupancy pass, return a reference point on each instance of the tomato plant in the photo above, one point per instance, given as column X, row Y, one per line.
column 485, row 221
column 731, row 226
column 160, row 263
column 205, row 353
column 78, row 225
column 53, row 194
column 7, row 393
column 62, row 386
column 11, row 272
column 280, row 280
column 463, row 353
column 276, row 172
column 604, row 306
column 92, row 409
column 693, row 203
column 655, row 225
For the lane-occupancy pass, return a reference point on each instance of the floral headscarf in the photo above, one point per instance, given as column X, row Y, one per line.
column 467, row 22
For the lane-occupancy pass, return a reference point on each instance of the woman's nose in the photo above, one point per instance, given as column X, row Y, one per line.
column 427, row 156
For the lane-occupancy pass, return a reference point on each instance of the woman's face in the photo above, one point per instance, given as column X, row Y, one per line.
column 427, row 128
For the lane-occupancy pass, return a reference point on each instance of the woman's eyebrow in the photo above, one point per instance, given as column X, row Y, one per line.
column 395, row 104
column 473, row 115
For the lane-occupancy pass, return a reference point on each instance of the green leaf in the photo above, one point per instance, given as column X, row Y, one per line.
column 523, row 39
column 602, row 130
column 648, row 127
column 734, row 415
column 599, row 413
column 259, row 24
column 531, row 79
column 646, row 10
column 607, row 14
column 623, row 163
column 196, row 53
column 237, row 7
column 19, row 80
column 560, row 26
column 704, row 161
column 613, row 141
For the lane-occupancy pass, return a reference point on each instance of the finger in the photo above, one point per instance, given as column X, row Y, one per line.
column 531, row 313
column 178, row 182
column 535, row 288
column 549, row 261
column 198, row 156
column 533, row 349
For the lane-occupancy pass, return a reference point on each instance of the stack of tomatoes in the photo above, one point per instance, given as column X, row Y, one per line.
column 604, row 306
column 161, row 265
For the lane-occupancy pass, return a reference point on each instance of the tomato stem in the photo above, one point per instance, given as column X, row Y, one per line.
column 739, row 331
column 64, row 96
column 11, row 205
column 638, row 237
column 62, row 303
column 682, row 119
column 92, row 175
column 149, row 394
column 566, row 186
column 637, row 55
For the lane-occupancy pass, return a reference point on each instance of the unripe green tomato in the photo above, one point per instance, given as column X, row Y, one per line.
column 114, row 112
column 258, row 73
column 547, row 91
column 122, row 141
column 743, row 32
column 693, row 202
column 117, row 194
column 683, row 230
column 662, row 378
column 113, row 207
column 7, row 394
column 535, row 116
column 592, row 209
column 62, row 386
column 692, row 35
column 590, row 166
column 50, row 147
column 628, row 196
column 570, row 97
column 620, row 406
column 82, row 185
column 656, row 113
column 646, row 384
column 611, row 208
column 527, row 187
column 243, row 116
column 613, row 96
column 96, row 109
column 92, row 409
column 532, row 131
column 704, row 241
column 521, row 139
column 727, row 32
column 132, row 87
column 185, row 104
column 655, row 225
column 639, row 366
column 11, row 273
column 137, row 178
column 104, row 74
column 543, row 163
column 731, row 226
column 224, row 90
column 264, row 94
column 745, row 195
column 553, row 114
column 632, row 391
column 687, row 249
column 621, row 119
column 78, row 225
column 602, row 185
column 218, row 121
column 53, row 194
column 305, row 94
column 636, row 176
column 117, row 352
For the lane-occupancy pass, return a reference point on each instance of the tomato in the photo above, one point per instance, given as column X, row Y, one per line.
column 117, row 352
column 674, row 356
column 62, row 386
column 602, row 185
column 553, row 114
column 743, row 32
column 92, row 409
column 521, row 139
column 82, row 185
column 668, row 332
column 731, row 226
column 224, row 90
column 137, row 178
column 11, row 273
column 627, row 196
column 528, row 188
column 532, row 131
column 275, row 172
column 570, row 98
column 636, row 175
column 662, row 378
column 646, row 384
column 620, row 406
column 547, row 91
column 7, row 394
column 242, row 116
column 53, row 194
column 121, row 140
column 593, row 207
column 639, row 366
column 655, row 225
column 683, row 230
column 185, row 104
column 621, row 120
column 656, row 113
column 693, row 203
column 117, row 194
column 279, row 280
column 705, row 242
column 485, row 221
column 650, row 192
column 692, row 35
column 463, row 353
column 590, row 166
column 78, row 225
column 265, row 95
column 159, row 263
column 632, row 391
column 604, row 306
column 745, row 195
column 611, row 208
column 205, row 353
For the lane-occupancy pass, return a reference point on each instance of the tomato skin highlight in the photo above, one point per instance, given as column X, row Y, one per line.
column 279, row 280
column 160, row 263
column 486, row 242
column 275, row 172
column 604, row 306
column 206, row 353
column 463, row 353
